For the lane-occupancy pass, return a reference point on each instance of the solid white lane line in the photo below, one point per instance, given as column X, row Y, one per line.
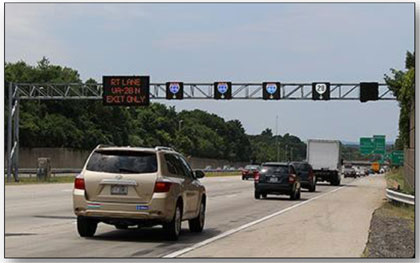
column 232, row 231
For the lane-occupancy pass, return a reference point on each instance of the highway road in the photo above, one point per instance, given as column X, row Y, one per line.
column 40, row 221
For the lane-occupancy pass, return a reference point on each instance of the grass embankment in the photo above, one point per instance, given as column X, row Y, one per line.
column 391, row 232
column 395, row 180
column 215, row 174
column 34, row 180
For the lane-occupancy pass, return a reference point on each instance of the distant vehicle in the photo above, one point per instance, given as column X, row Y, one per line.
column 306, row 174
column 208, row 168
column 277, row 178
column 325, row 158
column 375, row 167
column 232, row 169
column 226, row 167
column 125, row 186
column 249, row 171
column 362, row 171
column 218, row 169
column 349, row 172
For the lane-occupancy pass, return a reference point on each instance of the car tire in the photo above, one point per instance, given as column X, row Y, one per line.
column 173, row 228
column 264, row 195
column 197, row 224
column 293, row 195
column 86, row 226
column 243, row 177
column 298, row 194
column 312, row 188
column 257, row 195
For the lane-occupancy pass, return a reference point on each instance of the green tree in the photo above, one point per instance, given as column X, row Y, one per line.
column 402, row 85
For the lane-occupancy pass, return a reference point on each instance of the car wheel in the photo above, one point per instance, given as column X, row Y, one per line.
column 86, row 226
column 121, row 227
column 298, row 194
column 257, row 195
column 264, row 195
column 313, row 187
column 197, row 224
column 243, row 177
column 173, row 228
column 293, row 195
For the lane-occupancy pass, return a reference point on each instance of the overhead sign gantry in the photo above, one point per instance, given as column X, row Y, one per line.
column 138, row 91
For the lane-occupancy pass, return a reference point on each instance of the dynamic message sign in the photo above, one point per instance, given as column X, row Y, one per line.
column 369, row 91
column 321, row 91
column 223, row 90
column 271, row 90
column 174, row 90
column 126, row 90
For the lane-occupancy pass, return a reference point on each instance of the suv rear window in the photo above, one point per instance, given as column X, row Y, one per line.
column 281, row 169
column 122, row 162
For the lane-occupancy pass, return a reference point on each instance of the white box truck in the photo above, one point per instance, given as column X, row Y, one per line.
column 325, row 158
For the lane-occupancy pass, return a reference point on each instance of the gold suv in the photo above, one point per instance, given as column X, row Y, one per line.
column 127, row 186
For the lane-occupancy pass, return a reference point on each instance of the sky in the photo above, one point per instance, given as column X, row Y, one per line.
column 287, row 42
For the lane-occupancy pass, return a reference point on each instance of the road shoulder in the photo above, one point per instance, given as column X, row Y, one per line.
column 322, row 228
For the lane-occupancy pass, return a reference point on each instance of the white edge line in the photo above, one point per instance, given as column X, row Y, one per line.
column 232, row 231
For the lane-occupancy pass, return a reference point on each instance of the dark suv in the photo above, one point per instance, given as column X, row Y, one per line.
column 277, row 178
column 306, row 175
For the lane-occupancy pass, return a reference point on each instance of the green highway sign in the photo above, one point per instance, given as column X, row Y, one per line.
column 397, row 158
column 372, row 145
column 379, row 144
column 366, row 145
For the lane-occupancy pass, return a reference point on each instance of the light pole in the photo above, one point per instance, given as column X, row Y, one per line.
column 180, row 125
column 277, row 138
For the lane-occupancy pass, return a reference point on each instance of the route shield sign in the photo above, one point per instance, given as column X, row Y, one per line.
column 174, row 90
column 271, row 90
column 126, row 90
column 223, row 90
column 321, row 91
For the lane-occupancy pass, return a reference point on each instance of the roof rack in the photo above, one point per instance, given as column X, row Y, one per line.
column 164, row 148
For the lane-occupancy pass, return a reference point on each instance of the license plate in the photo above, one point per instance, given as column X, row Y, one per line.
column 119, row 189
column 274, row 179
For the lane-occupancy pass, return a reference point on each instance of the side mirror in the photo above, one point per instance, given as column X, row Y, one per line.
column 199, row 174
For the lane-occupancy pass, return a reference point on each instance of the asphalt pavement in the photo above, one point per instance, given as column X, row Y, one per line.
column 40, row 221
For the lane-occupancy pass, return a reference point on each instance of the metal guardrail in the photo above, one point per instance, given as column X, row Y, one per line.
column 400, row 197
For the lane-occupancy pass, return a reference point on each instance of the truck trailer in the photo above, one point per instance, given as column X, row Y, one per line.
column 325, row 158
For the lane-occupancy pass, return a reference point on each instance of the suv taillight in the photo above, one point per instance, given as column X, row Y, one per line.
column 162, row 187
column 256, row 176
column 79, row 183
column 292, row 178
